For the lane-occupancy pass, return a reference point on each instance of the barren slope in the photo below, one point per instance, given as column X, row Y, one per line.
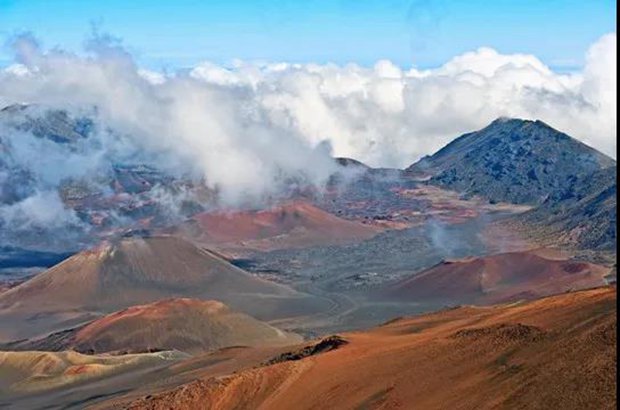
column 497, row 278
column 512, row 160
column 34, row 372
column 188, row 325
column 136, row 271
column 294, row 224
column 557, row 352
column 582, row 216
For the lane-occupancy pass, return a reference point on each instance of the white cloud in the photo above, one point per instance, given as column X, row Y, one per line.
column 152, row 77
column 41, row 211
column 248, row 127
column 486, row 61
column 389, row 117
column 17, row 70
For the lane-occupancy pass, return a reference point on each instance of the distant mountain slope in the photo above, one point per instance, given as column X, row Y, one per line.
column 512, row 160
column 56, row 125
column 293, row 224
column 350, row 162
column 496, row 278
column 583, row 215
column 188, row 325
column 136, row 271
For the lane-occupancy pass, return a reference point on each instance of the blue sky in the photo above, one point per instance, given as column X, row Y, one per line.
column 180, row 33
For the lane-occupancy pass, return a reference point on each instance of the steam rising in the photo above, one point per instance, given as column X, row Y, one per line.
column 250, row 130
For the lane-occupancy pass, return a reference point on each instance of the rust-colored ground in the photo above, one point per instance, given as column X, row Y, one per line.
column 137, row 271
column 189, row 325
column 498, row 278
column 553, row 353
column 294, row 224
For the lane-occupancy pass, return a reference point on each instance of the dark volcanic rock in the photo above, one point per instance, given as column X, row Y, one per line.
column 501, row 334
column 325, row 345
column 512, row 160
column 350, row 162
column 584, row 214
column 528, row 162
column 55, row 125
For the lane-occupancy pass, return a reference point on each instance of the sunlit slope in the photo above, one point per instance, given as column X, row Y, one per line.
column 557, row 352
column 136, row 271
column 496, row 278
column 188, row 325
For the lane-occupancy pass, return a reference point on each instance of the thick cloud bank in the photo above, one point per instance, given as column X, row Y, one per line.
column 248, row 127
column 387, row 116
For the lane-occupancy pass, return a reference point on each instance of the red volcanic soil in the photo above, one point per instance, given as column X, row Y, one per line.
column 554, row 353
column 497, row 278
column 295, row 224
column 137, row 271
column 188, row 325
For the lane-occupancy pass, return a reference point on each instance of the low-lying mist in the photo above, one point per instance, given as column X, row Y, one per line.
column 249, row 132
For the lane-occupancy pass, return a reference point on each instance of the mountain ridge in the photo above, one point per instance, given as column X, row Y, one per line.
column 571, row 185
column 511, row 160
